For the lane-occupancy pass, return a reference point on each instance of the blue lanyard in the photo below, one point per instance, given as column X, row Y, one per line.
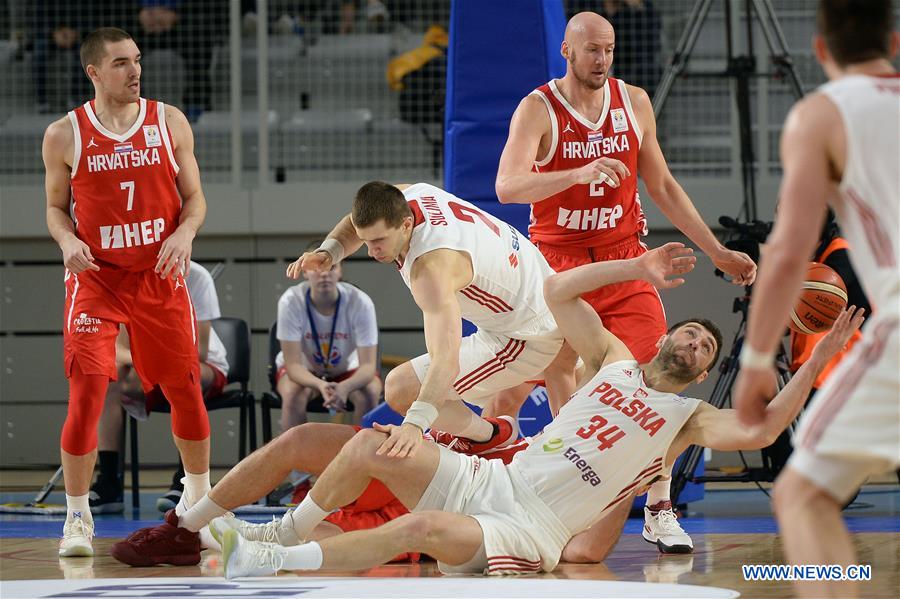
column 323, row 355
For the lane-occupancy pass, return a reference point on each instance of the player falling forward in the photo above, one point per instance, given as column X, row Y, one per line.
column 458, row 262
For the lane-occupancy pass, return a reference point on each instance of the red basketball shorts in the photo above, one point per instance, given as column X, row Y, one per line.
column 632, row 311
column 157, row 314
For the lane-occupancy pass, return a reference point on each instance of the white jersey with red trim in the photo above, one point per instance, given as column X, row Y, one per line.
column 608, row 440
column 506, row 294
column 869, row 209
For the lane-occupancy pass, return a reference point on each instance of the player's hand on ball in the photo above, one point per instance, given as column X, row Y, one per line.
column 77, row 255
column 317, row 260
column 610, row 170
column 845, row 325
column 403, row 441
column 671, row 260
column 738, row 265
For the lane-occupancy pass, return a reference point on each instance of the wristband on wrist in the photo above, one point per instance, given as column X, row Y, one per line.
column 421, row 414
column 333, row 248
column 754, row 359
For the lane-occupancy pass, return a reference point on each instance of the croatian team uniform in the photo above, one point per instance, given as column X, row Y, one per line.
column 852, row 429
column 597, row 222
column 608, row 440
column 125, row 203
column 517, row 335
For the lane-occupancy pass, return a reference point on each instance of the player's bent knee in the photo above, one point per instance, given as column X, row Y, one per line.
column 361, row 447
column 401, row 387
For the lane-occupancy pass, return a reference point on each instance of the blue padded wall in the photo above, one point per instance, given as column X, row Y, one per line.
column 499, row 52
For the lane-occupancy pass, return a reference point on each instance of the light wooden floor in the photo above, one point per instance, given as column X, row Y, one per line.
column 716, row 562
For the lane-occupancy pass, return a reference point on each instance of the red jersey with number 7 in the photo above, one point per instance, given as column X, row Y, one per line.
column 595, row 214
column 125, row 200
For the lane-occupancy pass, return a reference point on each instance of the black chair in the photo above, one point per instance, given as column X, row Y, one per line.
column 235, row 336
column 272, row 400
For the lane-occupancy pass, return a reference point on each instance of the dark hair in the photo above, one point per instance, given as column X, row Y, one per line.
column 93, row 48
column 709, row 326
column 856, row 30
column 377, row 200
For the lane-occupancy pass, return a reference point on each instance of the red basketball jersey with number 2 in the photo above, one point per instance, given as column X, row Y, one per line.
column 594, row 214
column 124, row 197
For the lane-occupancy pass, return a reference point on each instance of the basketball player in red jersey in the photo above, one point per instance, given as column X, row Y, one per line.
column 125, row 168
column 575, row 148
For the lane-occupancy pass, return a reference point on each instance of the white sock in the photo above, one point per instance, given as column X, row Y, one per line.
column 201, row 514
column 195, row 487
column 456, row 418
column 303, row 557
column 659, row 491
column 303, row 518
column 77, row 506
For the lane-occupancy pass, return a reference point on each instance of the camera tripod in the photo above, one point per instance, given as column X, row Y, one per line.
column 741, row 68
column 721, row 395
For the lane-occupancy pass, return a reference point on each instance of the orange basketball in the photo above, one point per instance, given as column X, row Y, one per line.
column 823, row 297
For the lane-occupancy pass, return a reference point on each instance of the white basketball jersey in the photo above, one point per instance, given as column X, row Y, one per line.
column 869, row 209
column 608, row 440
column 506, row 295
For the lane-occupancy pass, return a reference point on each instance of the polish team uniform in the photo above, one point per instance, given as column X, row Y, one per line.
column 597, row 222
column 609, row 439
column 517, row 335
column 852, row 430
column 125, row 203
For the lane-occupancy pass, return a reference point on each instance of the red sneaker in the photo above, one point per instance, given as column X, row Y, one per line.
column 164, row 544
column 301, row 491
column 507, row 432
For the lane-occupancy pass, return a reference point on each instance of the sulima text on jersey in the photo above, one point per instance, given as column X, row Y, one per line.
column 596, row 149
column 122, row 160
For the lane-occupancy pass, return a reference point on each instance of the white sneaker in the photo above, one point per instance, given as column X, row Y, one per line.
column 77, row 537
column 266, row 532
column 662, row 529
column 250, row 558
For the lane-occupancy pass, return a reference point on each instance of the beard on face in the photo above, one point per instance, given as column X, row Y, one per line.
column 676, row 365
column 587, row 80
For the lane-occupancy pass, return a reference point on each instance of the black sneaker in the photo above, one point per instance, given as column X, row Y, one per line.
column 167, row 502
column 105, row 498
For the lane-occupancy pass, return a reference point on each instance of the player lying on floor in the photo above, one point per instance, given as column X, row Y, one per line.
column 620, row 430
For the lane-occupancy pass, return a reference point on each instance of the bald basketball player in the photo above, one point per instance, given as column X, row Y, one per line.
column 575, row 148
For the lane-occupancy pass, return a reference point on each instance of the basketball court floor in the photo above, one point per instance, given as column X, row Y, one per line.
column 731, row 527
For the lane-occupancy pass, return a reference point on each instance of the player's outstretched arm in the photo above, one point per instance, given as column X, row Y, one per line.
column 809, row 164
column 722, row 429
column 435, row 279
column 580, row 324
column 674, row 203
column 516, row 183
column 342, row 241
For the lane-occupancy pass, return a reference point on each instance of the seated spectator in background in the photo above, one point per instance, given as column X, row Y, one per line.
column 106, row 493
column 55, row 29
column 329, row 345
